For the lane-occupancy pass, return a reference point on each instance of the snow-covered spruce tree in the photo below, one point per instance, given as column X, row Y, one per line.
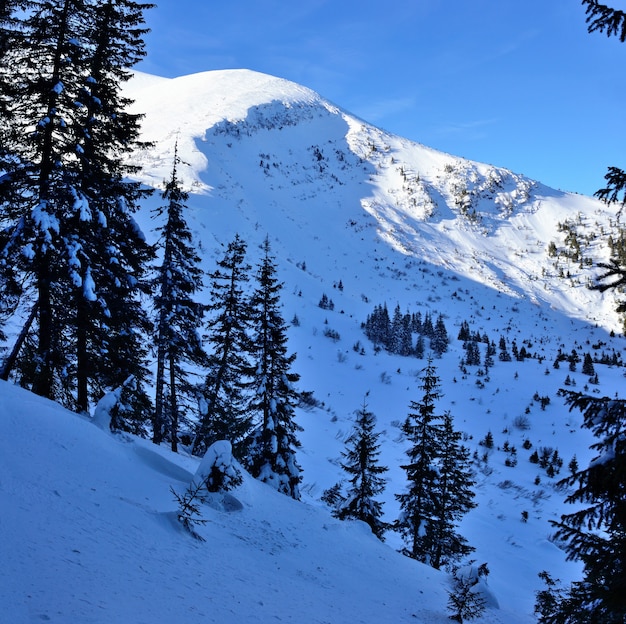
column 418, row 505
column 596, row 533
column 272, row 455
column 34, row 194
column 466, row 601
column 66, row 205
column 179, row 316
column 454, row 498
column 223, row 414
column 110, row 320
column 378, row 326
column 365, row 483
column 401, row 338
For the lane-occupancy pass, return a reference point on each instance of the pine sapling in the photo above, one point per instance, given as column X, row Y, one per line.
column 189, row 514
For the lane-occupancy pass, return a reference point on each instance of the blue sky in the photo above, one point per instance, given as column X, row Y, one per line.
column 516, row 84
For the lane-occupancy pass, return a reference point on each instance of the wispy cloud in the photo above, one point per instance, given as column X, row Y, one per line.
column 468, row 130
column 377, row 111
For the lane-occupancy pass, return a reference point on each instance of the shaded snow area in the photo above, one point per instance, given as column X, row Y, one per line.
column 89, row 534
column 356, row 218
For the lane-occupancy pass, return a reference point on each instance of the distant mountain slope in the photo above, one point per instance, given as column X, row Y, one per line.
column 277, row 155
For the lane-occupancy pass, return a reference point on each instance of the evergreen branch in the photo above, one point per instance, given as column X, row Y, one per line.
column 602, row 18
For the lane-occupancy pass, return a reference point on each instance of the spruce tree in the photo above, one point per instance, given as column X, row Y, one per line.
column 439, row 341
column 66, row 205
column 596, row 533
column 439, row 481
column 179, row 316
column 361, row 464
column 272, row 456
column 418, row 504
column 108, row 313
column 454, row 496
column 223, row 413
column 612, row 22
column 419, row 347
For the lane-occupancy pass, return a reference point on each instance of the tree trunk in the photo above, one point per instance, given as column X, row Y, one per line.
column 42, row 384
column 9, row 362
column 82, row 359
column 157, row 424
column 173, row 405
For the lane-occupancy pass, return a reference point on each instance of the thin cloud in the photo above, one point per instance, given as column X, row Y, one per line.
column 469, row 130
column 378, row 110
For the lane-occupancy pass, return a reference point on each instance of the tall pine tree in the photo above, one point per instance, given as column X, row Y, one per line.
column 418, row 504
column 596, row 533
column 272, row 457
column 223, row 414
column 66, row 207
column 439, row 491
column 179, row 316
column 454, row 498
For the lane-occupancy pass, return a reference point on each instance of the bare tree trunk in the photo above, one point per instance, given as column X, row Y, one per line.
column 9, row 363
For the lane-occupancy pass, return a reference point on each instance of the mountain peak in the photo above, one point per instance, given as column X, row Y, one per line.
column 271, row 152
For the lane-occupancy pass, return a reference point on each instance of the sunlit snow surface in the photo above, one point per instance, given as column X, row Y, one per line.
column 88, row 531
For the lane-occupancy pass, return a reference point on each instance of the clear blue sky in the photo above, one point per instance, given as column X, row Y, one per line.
column 515, row 83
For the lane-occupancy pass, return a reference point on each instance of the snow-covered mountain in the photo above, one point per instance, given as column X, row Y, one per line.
column 365, row 218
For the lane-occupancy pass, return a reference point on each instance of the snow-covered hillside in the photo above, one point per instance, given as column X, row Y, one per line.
column 90, row 535
column 365, row 218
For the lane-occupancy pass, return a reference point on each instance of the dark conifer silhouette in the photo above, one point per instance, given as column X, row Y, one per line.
column 223, row 409
column 272, row 456
column 179, row 316
column 364, row 474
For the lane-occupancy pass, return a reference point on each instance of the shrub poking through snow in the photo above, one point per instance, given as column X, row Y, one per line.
column 466, row 601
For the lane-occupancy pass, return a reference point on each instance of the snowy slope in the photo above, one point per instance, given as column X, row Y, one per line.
column 277, row 156
column 395, row 222
column 89, row 535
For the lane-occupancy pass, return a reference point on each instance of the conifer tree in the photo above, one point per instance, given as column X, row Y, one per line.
column 108, row 315
column 612, row 22
column 361, row 464
column 223, row 404
column 65, row 202
column 439, row 481
column 454, row 497
column 588, row 367
column 422, row 430
column 439, row 341
column 596, row 533
column 419, row 347
column 272, row 457
column 179, row 315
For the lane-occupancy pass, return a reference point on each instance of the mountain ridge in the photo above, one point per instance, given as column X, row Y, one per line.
column 419, row 201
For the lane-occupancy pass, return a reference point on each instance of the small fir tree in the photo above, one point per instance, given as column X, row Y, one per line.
column 465, row 601
column 365, row 483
